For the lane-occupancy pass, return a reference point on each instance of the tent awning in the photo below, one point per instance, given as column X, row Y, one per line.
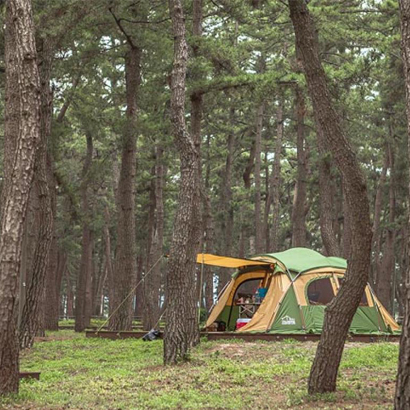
column 227, row 262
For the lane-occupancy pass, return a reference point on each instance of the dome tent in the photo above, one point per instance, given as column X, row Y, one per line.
column 298, row 283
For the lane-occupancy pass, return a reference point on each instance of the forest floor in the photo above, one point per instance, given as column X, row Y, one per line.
column 80, row 373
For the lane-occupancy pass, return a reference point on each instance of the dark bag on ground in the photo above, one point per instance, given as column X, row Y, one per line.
column 151, row 335
column 221, row 326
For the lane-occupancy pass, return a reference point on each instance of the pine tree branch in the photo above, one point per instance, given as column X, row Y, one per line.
column 118, row 22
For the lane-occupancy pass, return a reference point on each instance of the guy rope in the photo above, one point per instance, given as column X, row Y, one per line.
column 131, row 293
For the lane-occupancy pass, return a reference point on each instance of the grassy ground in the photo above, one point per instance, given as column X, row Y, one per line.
column 79, row 373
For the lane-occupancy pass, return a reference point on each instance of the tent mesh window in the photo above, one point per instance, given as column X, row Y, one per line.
column 247, row 289
column 320, row 292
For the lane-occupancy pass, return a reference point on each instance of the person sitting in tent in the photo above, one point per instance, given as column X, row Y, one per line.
column 261, row 293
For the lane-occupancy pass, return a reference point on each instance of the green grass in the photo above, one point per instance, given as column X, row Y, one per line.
column 80, row 373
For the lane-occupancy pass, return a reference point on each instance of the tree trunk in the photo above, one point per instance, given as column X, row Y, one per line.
column 98, row 296
column 257, row 173
column 227, row 222
column 181, row 331
column 402, row 395
column 61, row 268
column 84, row 275
column 140, row 292
column 152, row 282
column 31, row 233
column 228, row 218
column 90, row 282
column 125, row 272
column 274, row 192
column 347, row 223
column 52, row 289
column 326, row 199
column 246, row 227
column 377, row 234
column 209, row 235
column 339, row 313
column 32, row 314
column 108, row 257
column 197, row 107
column 99, row 279
column 385, row 281
column 208, row 276
column 148, row 281
column 53, row 283
column 22, row 133
column 249, row 166
column 70, row 296
column 299, row 203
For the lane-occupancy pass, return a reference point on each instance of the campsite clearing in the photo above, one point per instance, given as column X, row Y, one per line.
column 80, row 373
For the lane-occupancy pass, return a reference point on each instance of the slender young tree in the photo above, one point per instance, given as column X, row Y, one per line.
column 402, row 396
column 257, row 174
column 152, row 283
column 22, row 132
column 275, row 180
column 125, row 262
column 299, row 201
column 181, row 331
column 339, row 313
column 82, row 319
column 326, row 199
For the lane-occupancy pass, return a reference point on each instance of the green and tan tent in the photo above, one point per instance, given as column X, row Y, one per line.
column 297, row 283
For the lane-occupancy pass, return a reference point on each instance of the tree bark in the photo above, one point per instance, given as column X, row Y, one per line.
column 31, row 232
column 99, row 278
column 82, row 319
column 140, row 291
column 275, row 180
column 32, row 314
column 70, row 296
column 61, row 268
column 197, row 108
column 249, row 166
column 377, row 234
column 125, row 269
column 257, row 173
column 53, row 282
column 52, row 289
column 209, row 235
column 152, row 282
column 347, row 223
column 326, row 199
column 90, row 282
column 339, row 313
column 108, row 258
column 227, row 220
column 402, row 395
column 181, row 331
column 299, row 203
column 22, row 133
column 247, row 228
column 384, row 289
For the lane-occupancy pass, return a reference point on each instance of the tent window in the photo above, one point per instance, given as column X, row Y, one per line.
column 320, row 292
column 246, row 297
column 363, row 301
column 246, row 290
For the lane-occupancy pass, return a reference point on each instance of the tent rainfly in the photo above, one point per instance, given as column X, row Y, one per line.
column 287, row 292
